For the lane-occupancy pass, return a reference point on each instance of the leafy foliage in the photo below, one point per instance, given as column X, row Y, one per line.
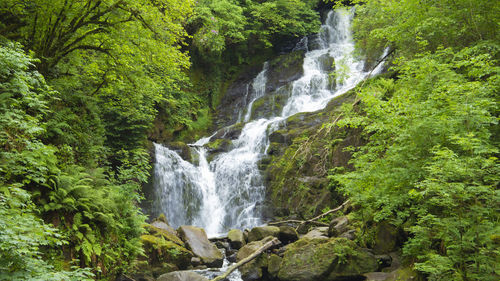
column 430, row 164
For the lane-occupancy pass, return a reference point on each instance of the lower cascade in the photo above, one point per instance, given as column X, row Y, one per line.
column 228, row 191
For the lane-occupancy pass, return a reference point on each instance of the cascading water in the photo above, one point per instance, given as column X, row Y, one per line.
column 226, row 192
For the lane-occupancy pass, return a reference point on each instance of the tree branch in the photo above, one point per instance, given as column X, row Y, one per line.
column 255, row 254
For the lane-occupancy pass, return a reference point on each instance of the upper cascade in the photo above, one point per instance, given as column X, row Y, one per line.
column 228, row 191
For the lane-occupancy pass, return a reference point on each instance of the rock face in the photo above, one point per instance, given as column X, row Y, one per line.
column 300, row 154
column 236, row 238
column 325, row 259
column 181, row 276
column 197, row 241
column 282, row 70
column 261, row 232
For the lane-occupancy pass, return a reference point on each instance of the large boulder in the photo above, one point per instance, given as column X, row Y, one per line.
column 160, row 250
column 254, row 269
column 236, row 238
column 197, row 241
column 181, row 276
column 325, row 259
column 288, row 234
column 261, row 232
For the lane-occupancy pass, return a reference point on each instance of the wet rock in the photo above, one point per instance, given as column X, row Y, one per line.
column 285, row 69
column 236, row 238
column 287, row 234
column 181, row 148
column 338, row 226
column 260, row 232
column 232, row 258
column 197, row 241
column 326, row 63
column 325, row 259
column 181, row 276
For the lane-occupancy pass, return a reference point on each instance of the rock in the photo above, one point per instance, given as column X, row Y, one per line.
column 325, row 259
column 287, row 234
column 236, row 238
column 260, row 232
column 338, row 226
column 232, row 258
column 350, row 234
column 197, row 241
column 222, row 245
column 326, row 63
column 377, row 276
column 383, row 261
column 195, row 261
column 386, row 238
column 159, row 250
column 181, row 276
column 159, row 228
column 252, row 270
column 401, row 274
column 317, row 232
column 181, row 148
column 273, row 266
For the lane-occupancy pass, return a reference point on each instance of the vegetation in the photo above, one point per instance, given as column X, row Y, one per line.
column 84, row 84
column 430, row 165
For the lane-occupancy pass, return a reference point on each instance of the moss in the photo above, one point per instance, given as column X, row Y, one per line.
column 315, row 259
column 160, row 250
column 158, row 232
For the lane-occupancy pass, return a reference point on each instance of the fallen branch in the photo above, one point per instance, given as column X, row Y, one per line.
column 313, row 220
column 255, row 254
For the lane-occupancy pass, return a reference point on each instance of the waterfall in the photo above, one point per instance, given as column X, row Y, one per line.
column 227, row 191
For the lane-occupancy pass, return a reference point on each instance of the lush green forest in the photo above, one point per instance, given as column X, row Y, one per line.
column 84, row 84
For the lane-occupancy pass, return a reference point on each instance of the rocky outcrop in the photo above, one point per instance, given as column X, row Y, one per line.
column 325, row 259
column 296, row 189
column 181, row 276
column 282, row 70
column 196, row 240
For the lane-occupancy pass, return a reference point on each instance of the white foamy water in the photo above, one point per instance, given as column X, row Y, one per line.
column 228, row 192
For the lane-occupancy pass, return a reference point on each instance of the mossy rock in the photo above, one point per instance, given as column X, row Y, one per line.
column 164, row 233
column 325, row 259
column 261, row 232
column 160, row 250
column 219, row 145
column 254, row 269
